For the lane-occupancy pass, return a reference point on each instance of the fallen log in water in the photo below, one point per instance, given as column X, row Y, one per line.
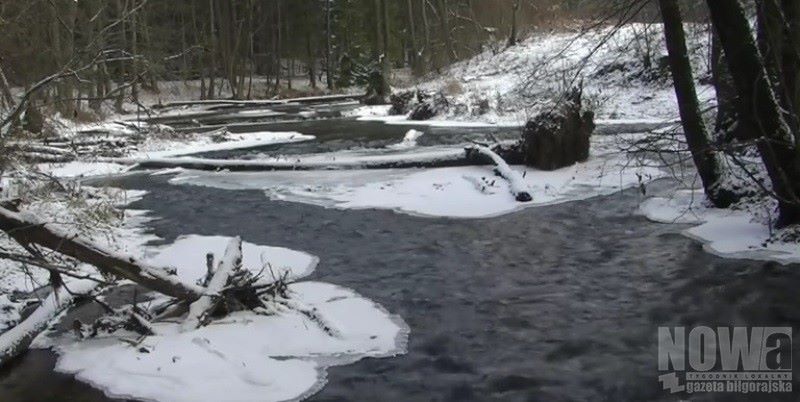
column 16, row 341
column 444, row 157
column 519, row 188
column 267, row 102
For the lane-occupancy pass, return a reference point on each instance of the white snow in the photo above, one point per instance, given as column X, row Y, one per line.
column 353, row 158
column 723, row 232
column 158, row 148
column 245, row 356
column 409, row 140
column 234, row 141
column 517, row 185
column 40, row 318
column 519, row 81
column 461, row 192
column 78, row 169
column 188, row 256
column 225, row 268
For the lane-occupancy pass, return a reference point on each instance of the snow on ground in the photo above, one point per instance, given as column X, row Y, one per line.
column 518, row 81
column 245, row 356
column 459, row 192
column 77, row 169
column 723, row 232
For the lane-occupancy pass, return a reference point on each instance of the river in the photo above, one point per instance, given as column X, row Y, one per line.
column 555, row 303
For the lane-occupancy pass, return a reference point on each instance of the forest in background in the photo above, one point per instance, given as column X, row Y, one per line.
column 112, row 49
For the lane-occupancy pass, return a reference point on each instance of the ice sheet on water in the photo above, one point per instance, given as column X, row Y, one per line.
column 724, row 232
column 460, row 192
column 244, row 356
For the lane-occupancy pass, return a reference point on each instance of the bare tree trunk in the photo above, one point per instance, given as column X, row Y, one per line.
column 445, row 31
column 704, row 157
column 212, row 53
column 121, row 11
column 725, row 90
column 791, row 63
column 759, row 106
column 62, row 17
column 278, row 45
column 311, row 61
column 386, row 63
column 415, row 56
column 135, row 52
column 328, row 48
column 512, row 38
column 426, row 27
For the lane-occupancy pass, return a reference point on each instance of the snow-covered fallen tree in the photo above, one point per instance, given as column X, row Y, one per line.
column 433, row 157
column 16, row 341
column 519, row 188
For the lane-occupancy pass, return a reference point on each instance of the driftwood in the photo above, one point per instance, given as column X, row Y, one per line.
column 444, row 158
column 16, row 341
column 202, row 308
column 519, row 188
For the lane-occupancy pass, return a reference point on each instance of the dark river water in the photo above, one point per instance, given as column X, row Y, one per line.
column 556, row 303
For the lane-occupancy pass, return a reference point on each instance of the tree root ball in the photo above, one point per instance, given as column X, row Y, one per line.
column 559, row 138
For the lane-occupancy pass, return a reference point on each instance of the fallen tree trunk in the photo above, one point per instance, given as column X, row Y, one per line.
column 26, row 229
column 304, row 100
column 432, row 159
column 16, row 341
column 202, row 308
column 519, row 188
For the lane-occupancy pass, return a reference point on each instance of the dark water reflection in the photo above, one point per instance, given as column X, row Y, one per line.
column 548, row 304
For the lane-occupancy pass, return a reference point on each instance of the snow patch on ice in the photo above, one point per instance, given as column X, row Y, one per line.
column 234, row 141
column 245, row 356
column 459, row 192
column 188, row 255
column 723, row 232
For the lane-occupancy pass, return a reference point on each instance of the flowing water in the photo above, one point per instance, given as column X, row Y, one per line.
column 557, row 303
